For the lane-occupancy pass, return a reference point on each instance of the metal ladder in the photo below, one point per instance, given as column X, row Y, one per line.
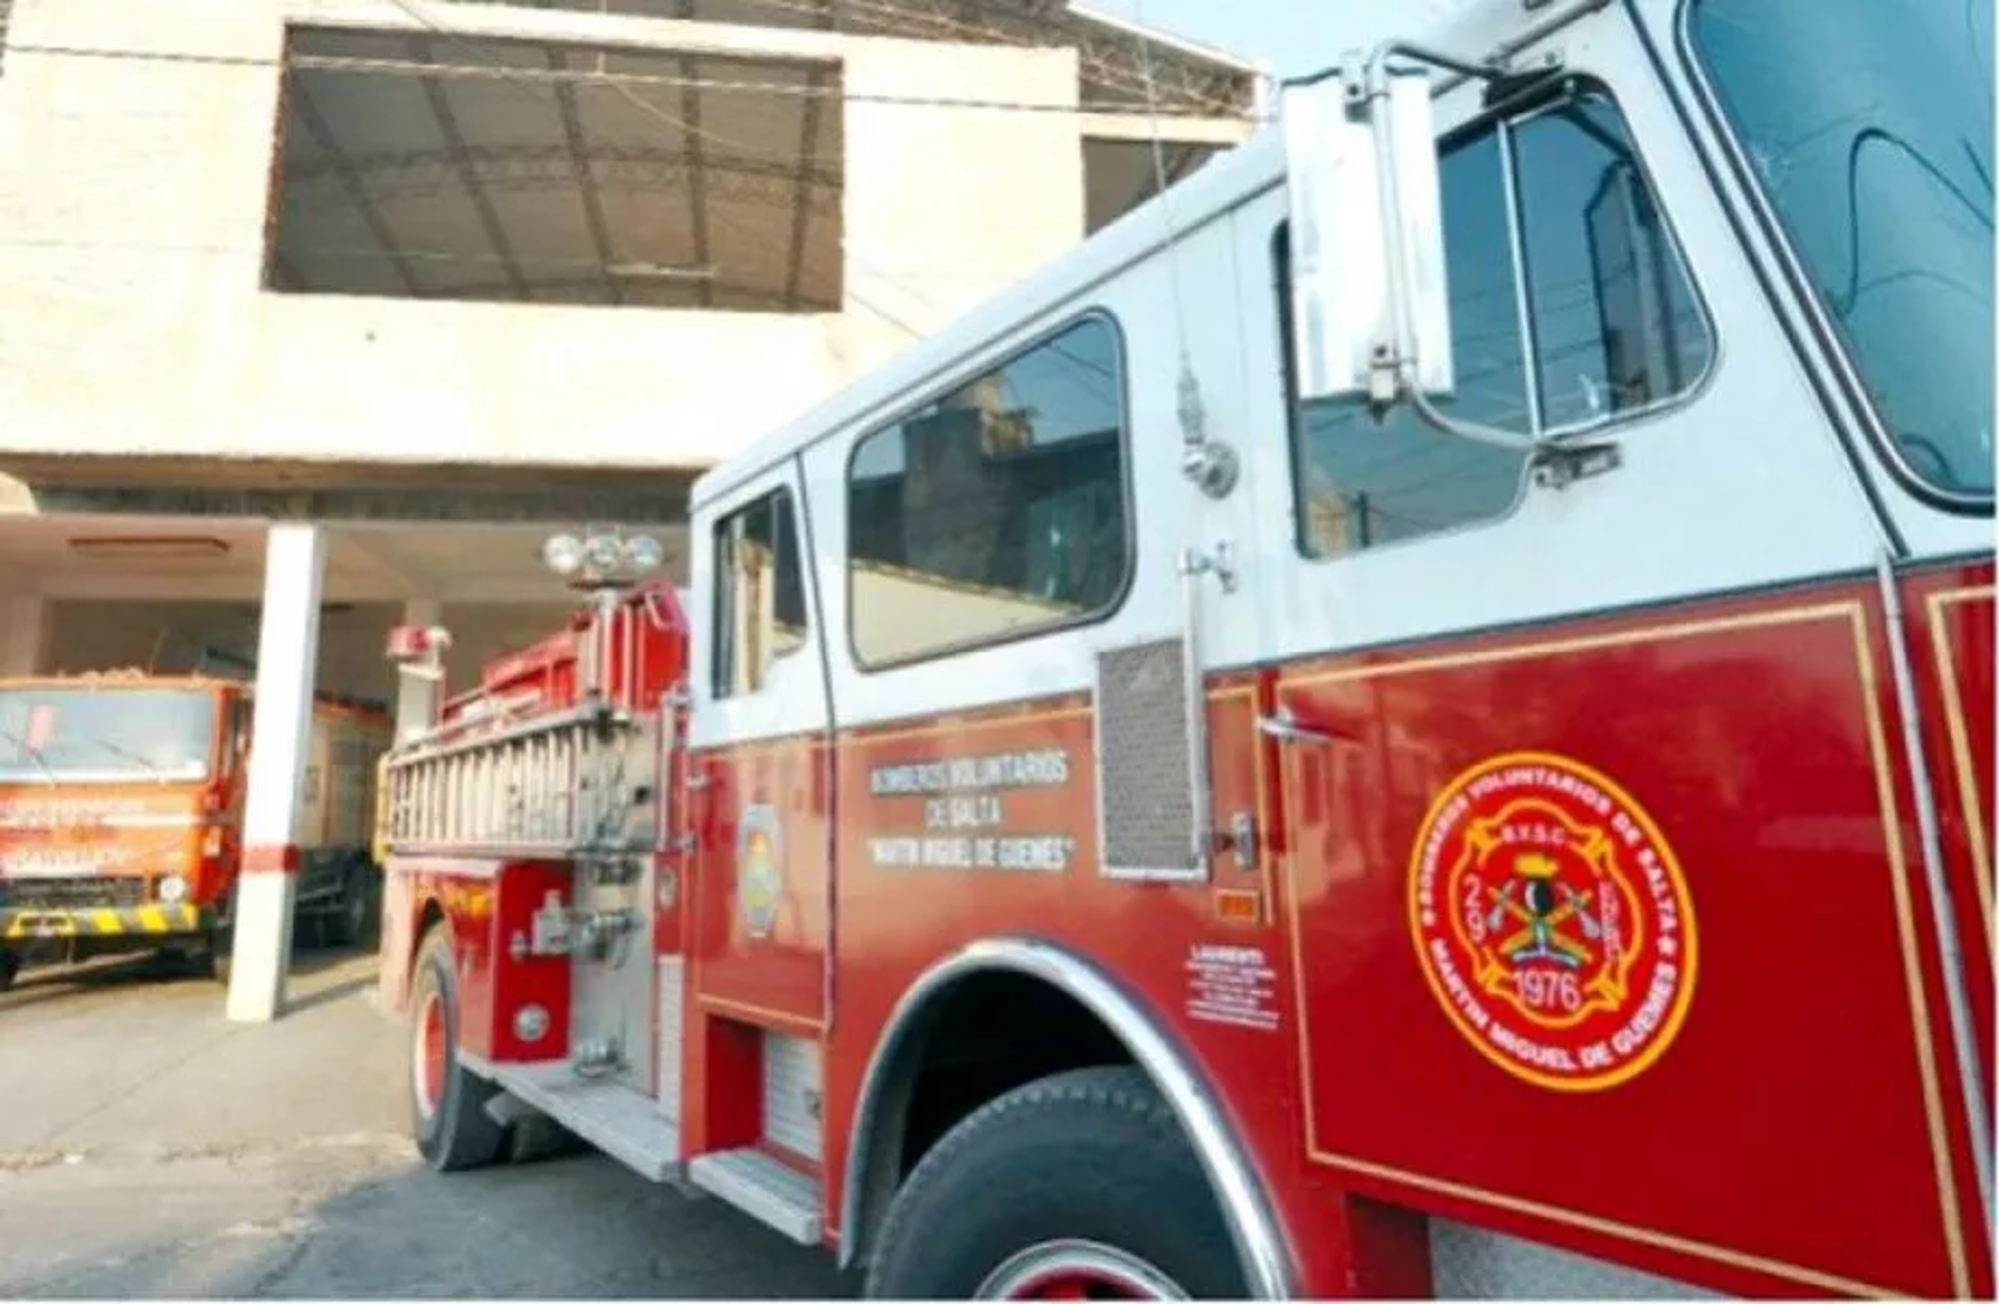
column 546, row 786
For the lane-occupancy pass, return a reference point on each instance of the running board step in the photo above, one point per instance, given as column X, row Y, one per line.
column 609, row 1115
column 763, row 1188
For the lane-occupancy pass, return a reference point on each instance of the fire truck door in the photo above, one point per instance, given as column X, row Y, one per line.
column 759, row 755
column 1584, row 755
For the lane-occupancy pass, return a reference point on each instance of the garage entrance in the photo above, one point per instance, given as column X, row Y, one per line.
column 139, row 770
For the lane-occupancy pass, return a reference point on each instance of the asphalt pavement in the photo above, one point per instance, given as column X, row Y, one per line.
column 150, row 1148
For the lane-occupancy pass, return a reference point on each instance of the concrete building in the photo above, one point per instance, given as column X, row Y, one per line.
column 464, row 266
column 436, row 278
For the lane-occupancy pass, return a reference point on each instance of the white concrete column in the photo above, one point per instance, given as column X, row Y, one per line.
column 24, row 635
column 416, row 695
column 287, row 664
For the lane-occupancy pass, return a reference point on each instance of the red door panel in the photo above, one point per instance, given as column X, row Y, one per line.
column 760, row 925
column 1621, row 928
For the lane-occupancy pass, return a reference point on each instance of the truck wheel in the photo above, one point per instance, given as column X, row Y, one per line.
column 211, row 958
column 447, row 1102
column 348, row 922
column 218, row 945
column 221, row 951
column 1079, row 1185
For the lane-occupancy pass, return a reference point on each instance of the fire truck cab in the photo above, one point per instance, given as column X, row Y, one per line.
column 121, row 812
column 1415, row 717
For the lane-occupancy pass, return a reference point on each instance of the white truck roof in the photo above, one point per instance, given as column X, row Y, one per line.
column 1233, row 178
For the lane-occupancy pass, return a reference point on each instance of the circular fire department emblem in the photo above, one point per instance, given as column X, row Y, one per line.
column 1552, row 922
column 759, row 868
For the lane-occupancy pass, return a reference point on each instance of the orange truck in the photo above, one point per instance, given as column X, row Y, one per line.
column 121, row 814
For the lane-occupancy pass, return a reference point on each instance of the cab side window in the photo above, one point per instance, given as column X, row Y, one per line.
column 997, row 510
column 1570, row 308
column 760, row 614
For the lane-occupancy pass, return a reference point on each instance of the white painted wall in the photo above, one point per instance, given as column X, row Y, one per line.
column 24, row 635
column 133, row 196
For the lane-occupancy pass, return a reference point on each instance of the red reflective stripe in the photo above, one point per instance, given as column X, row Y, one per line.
column 280, row 859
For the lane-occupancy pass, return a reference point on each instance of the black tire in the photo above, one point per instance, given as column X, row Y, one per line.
column 448, row 1115
column 369, row 935
column 218, row 944
column 10, row 967
column 351, row 919
column 212, row 960
column 1091, row 1157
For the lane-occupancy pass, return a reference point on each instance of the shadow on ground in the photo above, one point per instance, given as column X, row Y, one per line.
column 42, row 981
column 578, row 1227
column 260, row 1226
column 150, row 1148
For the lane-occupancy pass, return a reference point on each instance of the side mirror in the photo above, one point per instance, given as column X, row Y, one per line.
column 1369, row 302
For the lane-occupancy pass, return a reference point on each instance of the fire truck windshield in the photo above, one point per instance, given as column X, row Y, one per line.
column 1869, row 126
column 67, row 735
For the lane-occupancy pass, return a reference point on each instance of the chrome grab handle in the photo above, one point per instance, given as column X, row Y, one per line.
column 1284, row 727
column 1194, row 699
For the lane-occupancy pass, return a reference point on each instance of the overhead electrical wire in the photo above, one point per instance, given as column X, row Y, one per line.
column 535, row 81
column 796, row 90
column 415, row 67
column 985, row 34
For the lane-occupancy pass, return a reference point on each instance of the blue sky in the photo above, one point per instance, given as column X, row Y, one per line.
column 1293, row 36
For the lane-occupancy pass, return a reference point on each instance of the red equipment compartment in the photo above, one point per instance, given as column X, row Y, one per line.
column 634, row 658
column 537, row 678
column 485, row 906
column 514, row 984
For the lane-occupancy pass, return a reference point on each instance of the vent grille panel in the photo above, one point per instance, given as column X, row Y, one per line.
column 1145, row 801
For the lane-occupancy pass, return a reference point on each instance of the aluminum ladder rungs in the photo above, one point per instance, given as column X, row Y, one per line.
column 517, row 789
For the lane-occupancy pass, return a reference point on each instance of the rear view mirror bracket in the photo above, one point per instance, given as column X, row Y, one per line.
column 1369, row 298
column 1398, row 369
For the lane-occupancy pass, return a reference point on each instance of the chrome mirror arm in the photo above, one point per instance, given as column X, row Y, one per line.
column 1284, row 727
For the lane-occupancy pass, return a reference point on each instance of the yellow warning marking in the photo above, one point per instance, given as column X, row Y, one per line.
column 102, row 922
column 42, row 925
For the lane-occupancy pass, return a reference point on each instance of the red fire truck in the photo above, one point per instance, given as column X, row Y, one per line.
column 1415, row 717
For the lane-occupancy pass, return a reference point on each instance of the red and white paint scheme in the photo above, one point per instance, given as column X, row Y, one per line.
column 1414, row 718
